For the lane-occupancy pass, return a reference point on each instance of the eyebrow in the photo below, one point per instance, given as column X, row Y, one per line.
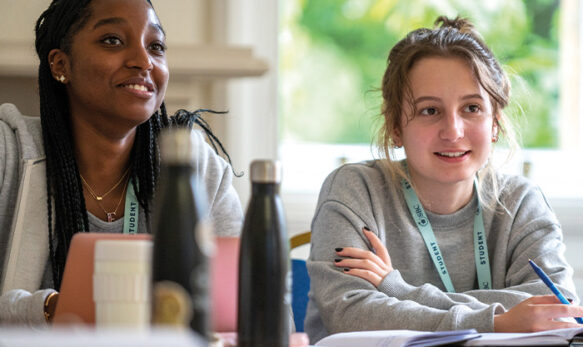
column 473, row 96
column 119, row 20
column 426, row 98
column 434, row 98
column 106, row 21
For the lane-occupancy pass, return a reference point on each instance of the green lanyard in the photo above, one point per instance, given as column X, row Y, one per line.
column 132, row 210
column 480, row 245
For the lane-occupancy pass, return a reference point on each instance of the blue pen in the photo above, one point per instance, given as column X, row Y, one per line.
column 543, row 276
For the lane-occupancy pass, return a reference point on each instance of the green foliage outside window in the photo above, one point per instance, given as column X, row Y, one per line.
column 333, row 56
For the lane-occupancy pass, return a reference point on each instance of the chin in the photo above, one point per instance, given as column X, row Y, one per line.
column 139, row 115
column 469, row 177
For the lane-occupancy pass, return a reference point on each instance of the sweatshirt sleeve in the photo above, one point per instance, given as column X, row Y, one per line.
column 223, row 202
column 9, row 179
column 16, row 306
column 19, row 307
column 537, row 235
column 348, row 303
column 527, row 231
column 533, row 233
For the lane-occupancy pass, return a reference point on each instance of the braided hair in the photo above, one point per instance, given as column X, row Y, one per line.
column 67, row 213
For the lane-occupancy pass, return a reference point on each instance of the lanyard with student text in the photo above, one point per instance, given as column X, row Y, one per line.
column 480, row 245
column 130, row 217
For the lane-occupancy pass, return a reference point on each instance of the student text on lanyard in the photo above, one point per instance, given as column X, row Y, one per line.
column 480, row 244
column 132, row 209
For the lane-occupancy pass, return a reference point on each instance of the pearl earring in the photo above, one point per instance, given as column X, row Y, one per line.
column 62, row 78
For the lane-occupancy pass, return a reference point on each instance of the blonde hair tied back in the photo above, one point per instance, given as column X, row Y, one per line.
column 449, row 38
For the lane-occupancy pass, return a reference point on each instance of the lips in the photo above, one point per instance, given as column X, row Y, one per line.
column 452, row 154
column 139, row 84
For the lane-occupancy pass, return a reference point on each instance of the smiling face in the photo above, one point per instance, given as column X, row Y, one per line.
column 116, row 72
column 447, row 137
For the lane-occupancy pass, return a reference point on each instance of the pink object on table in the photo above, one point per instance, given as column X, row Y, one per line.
column 224, row 284
column 76, row 300
column 75, row 303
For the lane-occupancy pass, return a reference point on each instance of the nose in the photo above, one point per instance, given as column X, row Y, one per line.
column 139, row 58
column 452, row 127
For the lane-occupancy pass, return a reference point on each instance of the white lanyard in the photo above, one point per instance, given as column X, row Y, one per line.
column 480, row 245
column 132, row 210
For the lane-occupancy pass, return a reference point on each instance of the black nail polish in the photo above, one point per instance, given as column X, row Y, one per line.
column 338, row 249
column 366, row 228
column 346, row 269
column 337, row 260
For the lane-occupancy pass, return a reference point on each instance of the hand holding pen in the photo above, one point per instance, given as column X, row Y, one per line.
column 543, row 276
column 539, row 312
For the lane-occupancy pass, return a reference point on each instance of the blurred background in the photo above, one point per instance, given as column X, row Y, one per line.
column 301, row 78
column 333, row 55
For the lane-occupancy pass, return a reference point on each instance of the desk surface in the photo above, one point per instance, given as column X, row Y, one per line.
column 88, row 337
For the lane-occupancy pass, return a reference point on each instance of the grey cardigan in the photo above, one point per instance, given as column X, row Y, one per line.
column 412, row 296
column 23, row 214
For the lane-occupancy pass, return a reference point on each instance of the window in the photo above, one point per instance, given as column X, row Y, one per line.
column 333, row 55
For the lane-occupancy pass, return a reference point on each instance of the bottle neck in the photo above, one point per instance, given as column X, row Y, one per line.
column 186, row 167
column 170, row 172
column 265, row 188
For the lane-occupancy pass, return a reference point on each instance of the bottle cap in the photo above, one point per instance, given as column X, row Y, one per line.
column 178, row 146
column 266, row 171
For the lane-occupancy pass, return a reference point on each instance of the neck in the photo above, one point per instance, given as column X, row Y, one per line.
column 102, row 159
column 443, row 198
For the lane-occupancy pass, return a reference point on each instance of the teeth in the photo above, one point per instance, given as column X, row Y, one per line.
column 137, row 87
column 452, row 154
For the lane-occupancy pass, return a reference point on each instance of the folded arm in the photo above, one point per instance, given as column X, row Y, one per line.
column 339, row 295
column 375, row 290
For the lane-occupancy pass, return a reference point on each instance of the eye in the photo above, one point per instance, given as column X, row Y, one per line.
column 112, row 41
column 428, row 111
column 158, row 47
column 472, row 108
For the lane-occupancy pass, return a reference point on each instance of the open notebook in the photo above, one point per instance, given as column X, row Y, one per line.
column 410, row 338
column 76, row 299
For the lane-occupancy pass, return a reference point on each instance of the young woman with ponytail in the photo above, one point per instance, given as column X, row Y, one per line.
column 440, row 240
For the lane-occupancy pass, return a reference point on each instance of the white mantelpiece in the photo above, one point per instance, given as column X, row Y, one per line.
column 18, row 59
column 193, row 71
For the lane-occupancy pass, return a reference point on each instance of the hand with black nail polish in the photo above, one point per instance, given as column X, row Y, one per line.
column 372, row 266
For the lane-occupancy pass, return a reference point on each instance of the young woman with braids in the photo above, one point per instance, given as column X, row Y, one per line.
column 102, row 79
column 440, row 240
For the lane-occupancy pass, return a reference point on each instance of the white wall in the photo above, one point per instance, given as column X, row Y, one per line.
column 252, row 133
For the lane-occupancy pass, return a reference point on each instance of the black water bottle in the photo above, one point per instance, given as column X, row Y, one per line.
column 183, row 240
column 264, row 278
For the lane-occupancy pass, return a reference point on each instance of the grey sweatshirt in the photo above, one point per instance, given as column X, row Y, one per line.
column 20, row 142
column 413, row 296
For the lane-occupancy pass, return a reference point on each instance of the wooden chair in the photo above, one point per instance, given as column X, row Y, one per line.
column 300, row 239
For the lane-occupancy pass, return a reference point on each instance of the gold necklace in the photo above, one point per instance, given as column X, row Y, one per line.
column 111, row 215
column 97, row 197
